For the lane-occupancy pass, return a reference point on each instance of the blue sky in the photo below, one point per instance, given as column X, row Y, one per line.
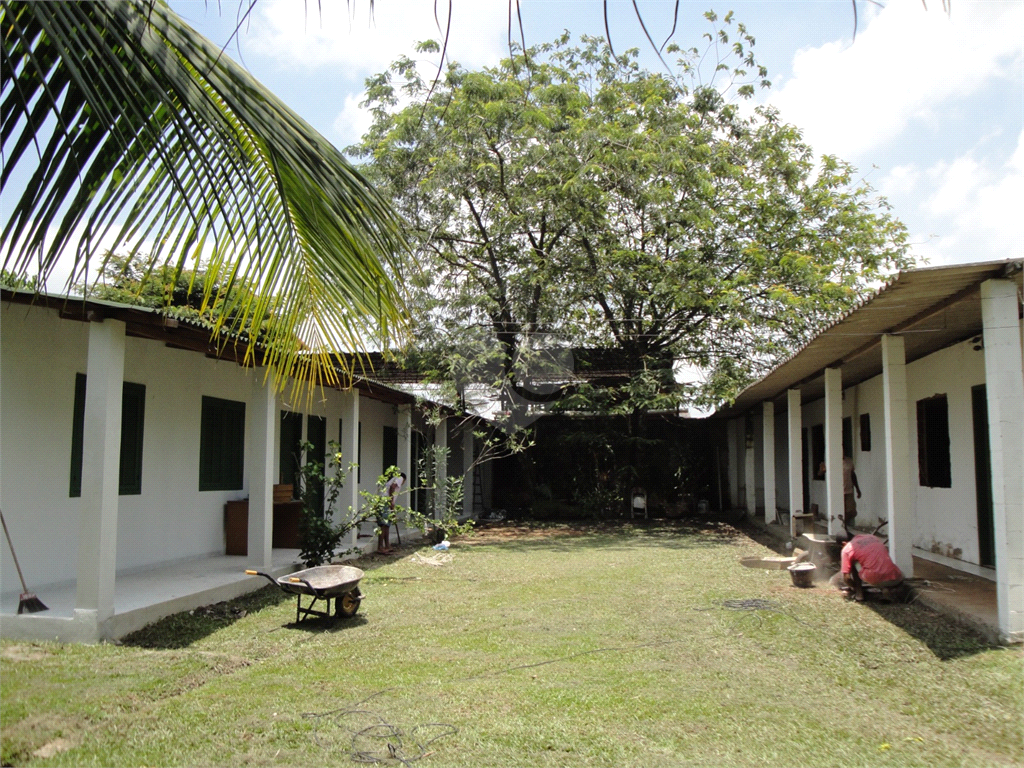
column 928, row 105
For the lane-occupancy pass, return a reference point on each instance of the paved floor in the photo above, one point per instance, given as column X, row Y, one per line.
column 145, row 588
column 969, row 598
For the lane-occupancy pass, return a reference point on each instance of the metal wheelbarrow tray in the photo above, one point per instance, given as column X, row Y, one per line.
column 339, row 583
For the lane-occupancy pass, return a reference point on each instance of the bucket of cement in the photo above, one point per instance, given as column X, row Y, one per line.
column 802, row 574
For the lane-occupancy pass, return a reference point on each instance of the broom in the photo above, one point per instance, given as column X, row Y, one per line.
column 27, row 603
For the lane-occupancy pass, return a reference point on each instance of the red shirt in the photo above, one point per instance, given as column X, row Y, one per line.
column 876, row 567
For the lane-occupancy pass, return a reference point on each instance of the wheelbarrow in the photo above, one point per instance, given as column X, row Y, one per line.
column 325, row 583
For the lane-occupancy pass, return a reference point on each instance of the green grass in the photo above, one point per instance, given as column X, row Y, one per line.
column 610, row 647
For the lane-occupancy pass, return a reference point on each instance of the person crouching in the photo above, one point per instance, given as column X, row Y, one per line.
column 865, row 561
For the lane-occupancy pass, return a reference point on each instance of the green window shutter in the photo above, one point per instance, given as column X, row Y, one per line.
column 390, row 449
column 290, row 447
column 316, row 433
column 341, row 442
column 77, row 436
column 221, row 445
column 133, row 415
column 359, row 455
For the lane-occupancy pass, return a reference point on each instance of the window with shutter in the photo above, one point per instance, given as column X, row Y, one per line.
column 133, row 417
column 221, row 445
column 390, row 449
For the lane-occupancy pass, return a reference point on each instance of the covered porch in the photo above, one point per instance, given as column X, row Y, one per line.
column 141, row 596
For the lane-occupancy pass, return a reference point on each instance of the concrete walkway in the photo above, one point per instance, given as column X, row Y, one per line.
column 145, row 595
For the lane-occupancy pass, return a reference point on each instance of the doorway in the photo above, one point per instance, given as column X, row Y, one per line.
column 983, row 478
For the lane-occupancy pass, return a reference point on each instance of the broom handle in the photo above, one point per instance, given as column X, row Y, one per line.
column 24, row 588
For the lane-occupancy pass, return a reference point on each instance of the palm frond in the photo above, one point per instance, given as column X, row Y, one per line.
column 127, row 122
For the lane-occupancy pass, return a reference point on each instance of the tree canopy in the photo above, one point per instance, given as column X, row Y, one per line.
column 568, row 198
column 125, row 120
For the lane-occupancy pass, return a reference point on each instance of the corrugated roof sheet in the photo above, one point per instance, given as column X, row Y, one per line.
column 931, row 308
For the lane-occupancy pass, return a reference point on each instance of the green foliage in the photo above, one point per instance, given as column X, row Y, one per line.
column 197, row 294
column 319, row 535
column 125, row 121
column 567, row 198
column 16, row 282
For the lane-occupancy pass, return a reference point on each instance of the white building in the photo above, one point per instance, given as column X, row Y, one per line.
column 922, row 386
column 123, row 436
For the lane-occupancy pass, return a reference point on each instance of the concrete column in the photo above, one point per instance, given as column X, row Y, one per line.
column 796, row 466
column 405, row 440
column 768, row 459
column 350, row 449
column 467, row 469
column 749, row 471
column 833, row 449
column 259, row 460
column 101, row 459
column 898, row 506
column 441, row 470
column 1004, row 388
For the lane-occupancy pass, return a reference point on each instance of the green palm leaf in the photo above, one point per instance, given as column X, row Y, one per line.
column 126, row 121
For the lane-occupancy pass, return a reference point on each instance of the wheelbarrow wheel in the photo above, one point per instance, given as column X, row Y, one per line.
column 348, row 604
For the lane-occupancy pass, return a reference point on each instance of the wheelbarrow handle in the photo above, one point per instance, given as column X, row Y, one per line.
column 314, row 590
column 267, row 576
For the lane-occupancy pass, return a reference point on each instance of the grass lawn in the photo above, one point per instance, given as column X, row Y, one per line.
column 555, row 646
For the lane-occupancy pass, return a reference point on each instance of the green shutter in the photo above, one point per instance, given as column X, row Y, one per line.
column 77, row 436
column 316, row 433
column 133, row 415
column 390, row 449
column 290, row 448
column 221, row 445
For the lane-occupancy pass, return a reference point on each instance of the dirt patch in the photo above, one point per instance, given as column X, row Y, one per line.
column 497, row 533
column 54, row 747
column 19, row 652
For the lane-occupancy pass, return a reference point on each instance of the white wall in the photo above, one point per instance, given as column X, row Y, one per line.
column 39, row 357
column 946, row 517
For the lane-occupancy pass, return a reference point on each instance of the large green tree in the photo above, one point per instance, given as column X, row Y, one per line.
column 119, row 118
column 569, row 198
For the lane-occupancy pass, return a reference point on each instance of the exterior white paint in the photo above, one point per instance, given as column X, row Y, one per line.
column 65, row 540
column 1004, row 363
column 945, row 517
column 833, row 507
column 768, row 443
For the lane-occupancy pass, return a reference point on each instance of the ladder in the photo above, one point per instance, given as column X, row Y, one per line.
column 478, row 490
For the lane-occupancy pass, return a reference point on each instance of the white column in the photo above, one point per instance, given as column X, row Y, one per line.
column 898, row 506
column 796, row 485
column 101, row 458
column 833, row 448
column 259, row 462
column 768, row 459
column 1004, row 388
column 350, row 454
column 749, row 471
column 467, row 468
column 405, row 440
column 441, row 470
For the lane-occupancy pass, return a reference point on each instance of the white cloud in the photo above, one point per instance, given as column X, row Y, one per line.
column 353, row 121
column 905, row 64
column 971, row 206
column 345, row 36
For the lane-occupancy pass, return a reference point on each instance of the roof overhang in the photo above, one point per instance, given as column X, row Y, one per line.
column 931, row 308
column 178, row 333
